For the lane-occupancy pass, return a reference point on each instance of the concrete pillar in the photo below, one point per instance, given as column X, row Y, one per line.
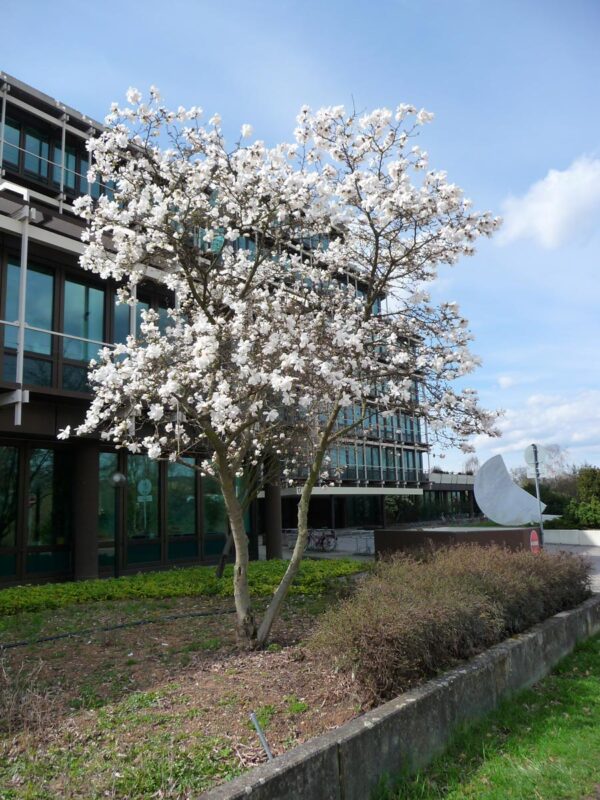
column 85, row 510
column 273, row 533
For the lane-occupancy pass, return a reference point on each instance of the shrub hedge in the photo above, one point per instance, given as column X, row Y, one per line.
column 413, row 618
column 315, row 578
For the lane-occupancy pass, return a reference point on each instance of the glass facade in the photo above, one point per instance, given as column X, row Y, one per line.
column 70, row 166
column 38, row 157
column 215, row 517
column 181, row 510
column 37, row 152
column 35, row 512
column 84, row 318
column 9, row 465
column 12, row 134
column 107, row 510
column 39, row 314
column 143, row 542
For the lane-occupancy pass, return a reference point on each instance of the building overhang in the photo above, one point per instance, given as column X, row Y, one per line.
column 349, row 491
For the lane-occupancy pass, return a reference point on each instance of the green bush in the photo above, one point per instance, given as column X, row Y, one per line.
column 578, row 514
column 315, row 578
column 412, row 619
column 586, row 513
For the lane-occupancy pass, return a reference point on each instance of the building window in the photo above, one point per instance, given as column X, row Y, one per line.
column 107, row 510
column 181, row 511
column 143, row 534
column 181, row 502
column 142, row 500
column 121, row 328
column 215, row 516
column 39, row 314
column 37, row 151
column 9, row 459
column 40, row 500
column 12, row 135
column 70, row 167
column 83, row 317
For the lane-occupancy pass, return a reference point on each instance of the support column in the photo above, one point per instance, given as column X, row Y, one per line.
column 273, row 533
column 85, row 510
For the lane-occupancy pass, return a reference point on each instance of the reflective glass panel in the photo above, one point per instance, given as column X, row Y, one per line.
column 40, row 500
column 74, row 379
column 215, row 516
column 84, row 317
column 122, row 319
column 84, row 186
column 142, row 497
column 107, row 500
column 181, row 499
column 37, row 152
column 70, row 166
column 35, row 371
column 9, row 459
column 10, row 154
column 38, row 308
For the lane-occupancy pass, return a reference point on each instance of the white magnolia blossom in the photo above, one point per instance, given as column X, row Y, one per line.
column 277, row 261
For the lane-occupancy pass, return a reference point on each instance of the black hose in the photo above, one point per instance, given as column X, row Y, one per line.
column 91, row 631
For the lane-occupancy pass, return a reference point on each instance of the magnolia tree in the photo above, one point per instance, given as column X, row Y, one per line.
column 277, row 260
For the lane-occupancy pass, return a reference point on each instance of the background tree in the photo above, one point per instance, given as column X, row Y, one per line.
column 278, row 260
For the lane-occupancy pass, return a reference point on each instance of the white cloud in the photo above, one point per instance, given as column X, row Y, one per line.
column 569, row 420
column 506, row 381
column 561, row 207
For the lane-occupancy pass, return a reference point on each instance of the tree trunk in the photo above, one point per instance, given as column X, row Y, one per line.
column 280, row 594
column 245, row 622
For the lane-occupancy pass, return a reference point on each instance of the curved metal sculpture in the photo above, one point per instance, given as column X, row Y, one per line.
column 500, row 499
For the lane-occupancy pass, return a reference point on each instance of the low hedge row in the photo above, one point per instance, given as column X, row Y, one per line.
column 413, row 618
column 315, row 578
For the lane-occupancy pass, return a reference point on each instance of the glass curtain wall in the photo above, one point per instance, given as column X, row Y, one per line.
column 182, row 541
column 37, row 365
column 107, row 512
column 143, row 532
column 84, row 318
column 9, row 468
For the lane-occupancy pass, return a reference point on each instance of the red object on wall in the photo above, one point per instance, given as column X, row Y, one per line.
column 534, row 542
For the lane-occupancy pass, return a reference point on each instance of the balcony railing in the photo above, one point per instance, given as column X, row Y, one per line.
column 51, row 359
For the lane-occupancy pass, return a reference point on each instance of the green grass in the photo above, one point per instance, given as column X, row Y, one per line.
column 314, row 579
column 157, row 763
column 544, row 744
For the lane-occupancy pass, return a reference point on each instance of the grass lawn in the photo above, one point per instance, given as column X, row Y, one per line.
column 159, row 710
column 544, row 744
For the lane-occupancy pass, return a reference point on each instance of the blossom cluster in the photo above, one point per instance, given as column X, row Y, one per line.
column 277, row 260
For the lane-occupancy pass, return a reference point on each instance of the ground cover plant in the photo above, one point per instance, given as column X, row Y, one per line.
column 414, row 618
column 315, row 577
column 544, row 743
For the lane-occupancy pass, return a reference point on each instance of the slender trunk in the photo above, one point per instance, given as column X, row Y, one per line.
column 246, row 622
column 281, row 592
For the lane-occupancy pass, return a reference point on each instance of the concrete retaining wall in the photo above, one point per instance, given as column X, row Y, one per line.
column 406, row 733
column 580, row 538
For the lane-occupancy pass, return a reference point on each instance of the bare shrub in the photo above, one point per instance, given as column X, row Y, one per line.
column 24, row 703
column 412, row 619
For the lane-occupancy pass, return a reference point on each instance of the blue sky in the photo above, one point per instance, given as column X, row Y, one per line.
column 514, row 86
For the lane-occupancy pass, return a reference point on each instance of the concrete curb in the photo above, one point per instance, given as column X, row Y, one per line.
column 409, row 731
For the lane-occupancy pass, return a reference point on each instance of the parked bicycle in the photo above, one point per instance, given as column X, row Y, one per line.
column 324, row 539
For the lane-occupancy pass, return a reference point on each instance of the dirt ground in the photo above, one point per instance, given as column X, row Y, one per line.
column 80, row 705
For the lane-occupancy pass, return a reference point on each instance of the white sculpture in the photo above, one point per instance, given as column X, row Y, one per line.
column 500, row 499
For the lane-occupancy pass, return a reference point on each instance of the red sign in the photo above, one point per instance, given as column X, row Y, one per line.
column 534, row 542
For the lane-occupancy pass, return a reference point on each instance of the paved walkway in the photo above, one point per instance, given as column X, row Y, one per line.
column 593, row 553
